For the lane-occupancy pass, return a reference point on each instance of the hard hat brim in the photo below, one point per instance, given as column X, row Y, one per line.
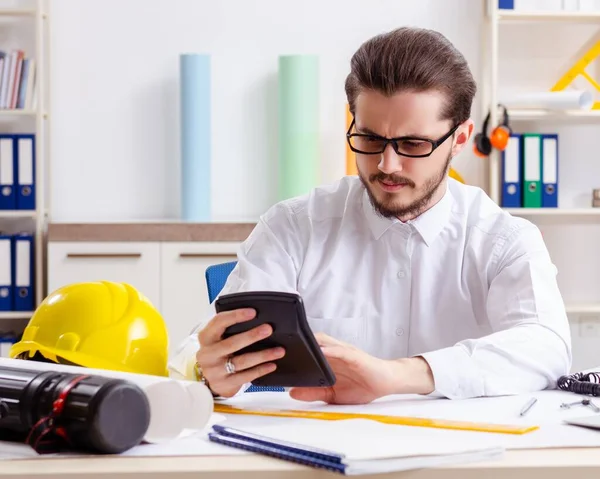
column 72, row 357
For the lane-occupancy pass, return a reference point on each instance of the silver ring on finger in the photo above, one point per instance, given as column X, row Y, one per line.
column 229, row 367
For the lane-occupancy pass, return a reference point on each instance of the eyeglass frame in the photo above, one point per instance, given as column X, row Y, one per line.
column 434, row 143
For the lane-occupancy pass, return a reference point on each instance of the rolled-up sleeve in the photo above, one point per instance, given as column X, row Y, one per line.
column 530, row 346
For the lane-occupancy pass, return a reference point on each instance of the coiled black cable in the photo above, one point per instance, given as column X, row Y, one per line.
column 581, row 383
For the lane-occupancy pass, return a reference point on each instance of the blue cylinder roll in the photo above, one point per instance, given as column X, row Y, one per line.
column 195, row 137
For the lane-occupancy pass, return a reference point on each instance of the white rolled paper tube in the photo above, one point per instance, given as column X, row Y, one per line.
column 201, row 404
column 553, row 100
column 173, row 408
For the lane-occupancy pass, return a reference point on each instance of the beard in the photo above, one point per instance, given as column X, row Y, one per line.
column 387, row 206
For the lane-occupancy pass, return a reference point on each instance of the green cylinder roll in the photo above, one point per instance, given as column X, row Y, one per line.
column 298, row 124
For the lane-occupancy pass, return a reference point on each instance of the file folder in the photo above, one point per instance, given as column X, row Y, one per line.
column 23, row 272
column 6, row 268
column 549, row 171
column 532, row 169
column 511, row 173
column 8, row 166
column 26, row 172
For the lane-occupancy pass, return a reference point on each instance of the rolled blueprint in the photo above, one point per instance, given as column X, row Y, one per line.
column 551, row 100
column 195, row 137
column 298, row 124
column 175, row 406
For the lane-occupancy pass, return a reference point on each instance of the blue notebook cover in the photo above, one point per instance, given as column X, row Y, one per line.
column 283, row 450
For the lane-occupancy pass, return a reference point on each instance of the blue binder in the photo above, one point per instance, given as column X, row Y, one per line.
column 511, row 173
column 549, row 171
column 23, row 272
column 506, row 4
column 6, row 273
column 25, row 145
column 8, row 173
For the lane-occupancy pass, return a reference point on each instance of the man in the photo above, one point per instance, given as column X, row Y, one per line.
column 412, row 281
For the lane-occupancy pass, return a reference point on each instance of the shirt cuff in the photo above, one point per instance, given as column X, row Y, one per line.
column 454, row 374
column 182, row 365
column 182, row 362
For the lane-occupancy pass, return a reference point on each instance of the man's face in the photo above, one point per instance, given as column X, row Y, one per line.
column 399, row 186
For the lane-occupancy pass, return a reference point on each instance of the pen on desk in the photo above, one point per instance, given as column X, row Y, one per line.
column 528, row 406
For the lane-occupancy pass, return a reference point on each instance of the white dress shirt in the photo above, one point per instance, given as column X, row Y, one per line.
column 467, row 286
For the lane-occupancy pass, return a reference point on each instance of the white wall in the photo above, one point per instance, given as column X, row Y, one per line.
column 114, row 97
column 115, row 112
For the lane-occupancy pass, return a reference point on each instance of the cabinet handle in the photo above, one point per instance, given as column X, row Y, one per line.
column 104, row 255
column 206, row 255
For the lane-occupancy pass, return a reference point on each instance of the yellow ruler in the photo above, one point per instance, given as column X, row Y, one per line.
column 579, row 69
column 398, row 420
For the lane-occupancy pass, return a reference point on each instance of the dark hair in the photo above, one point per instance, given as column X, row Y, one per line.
column 413, row 59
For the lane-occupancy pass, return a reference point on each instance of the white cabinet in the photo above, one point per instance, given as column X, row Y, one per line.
column 170, row 274
column 184, row 296
column 135, row 263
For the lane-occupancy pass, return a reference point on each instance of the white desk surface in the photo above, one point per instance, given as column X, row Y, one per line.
column 579, row 463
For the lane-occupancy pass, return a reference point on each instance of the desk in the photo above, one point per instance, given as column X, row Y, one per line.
column 581, row 463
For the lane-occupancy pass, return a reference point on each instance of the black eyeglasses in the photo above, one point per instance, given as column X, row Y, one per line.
column 410, row 146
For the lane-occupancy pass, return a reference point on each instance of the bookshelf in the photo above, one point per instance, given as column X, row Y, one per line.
column 530, row 51
column 26, row 25
column 494, row 19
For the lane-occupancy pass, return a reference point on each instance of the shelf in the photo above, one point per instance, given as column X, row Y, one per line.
column 564, row 115
column 583, row 308
column 506, row 16
column 17, row 12
column 15, row 314
column 553, row 211
column 16, row 112
column 17, row 214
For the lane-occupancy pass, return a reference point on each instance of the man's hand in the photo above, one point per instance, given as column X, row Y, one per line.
column 362, row 378
column 214, row 352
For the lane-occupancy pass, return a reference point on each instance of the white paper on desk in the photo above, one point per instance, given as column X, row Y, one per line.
column 547, row 413
column 372, row 447
column 362, row 439
column 11, row 450
column 495, row 410
column 174, row 405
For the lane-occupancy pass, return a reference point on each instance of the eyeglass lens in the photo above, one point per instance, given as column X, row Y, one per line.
column 368, row 144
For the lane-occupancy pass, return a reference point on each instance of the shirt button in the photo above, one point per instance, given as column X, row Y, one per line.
column 399, row 332
column 401, row 274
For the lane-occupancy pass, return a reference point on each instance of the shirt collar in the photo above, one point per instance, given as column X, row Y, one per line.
column 377, row 223
column 429, row 224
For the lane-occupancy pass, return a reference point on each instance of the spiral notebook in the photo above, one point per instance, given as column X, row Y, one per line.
column 337, row 461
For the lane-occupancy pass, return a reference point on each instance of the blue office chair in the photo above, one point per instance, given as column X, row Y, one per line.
column 216, row 276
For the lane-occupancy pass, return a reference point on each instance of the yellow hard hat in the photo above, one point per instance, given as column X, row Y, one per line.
column 102, row 325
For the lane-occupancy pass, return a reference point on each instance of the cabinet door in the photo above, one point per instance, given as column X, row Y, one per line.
column 134, row 263
column 184, row 296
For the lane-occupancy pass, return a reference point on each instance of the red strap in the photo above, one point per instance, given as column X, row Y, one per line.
column 48, row 424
